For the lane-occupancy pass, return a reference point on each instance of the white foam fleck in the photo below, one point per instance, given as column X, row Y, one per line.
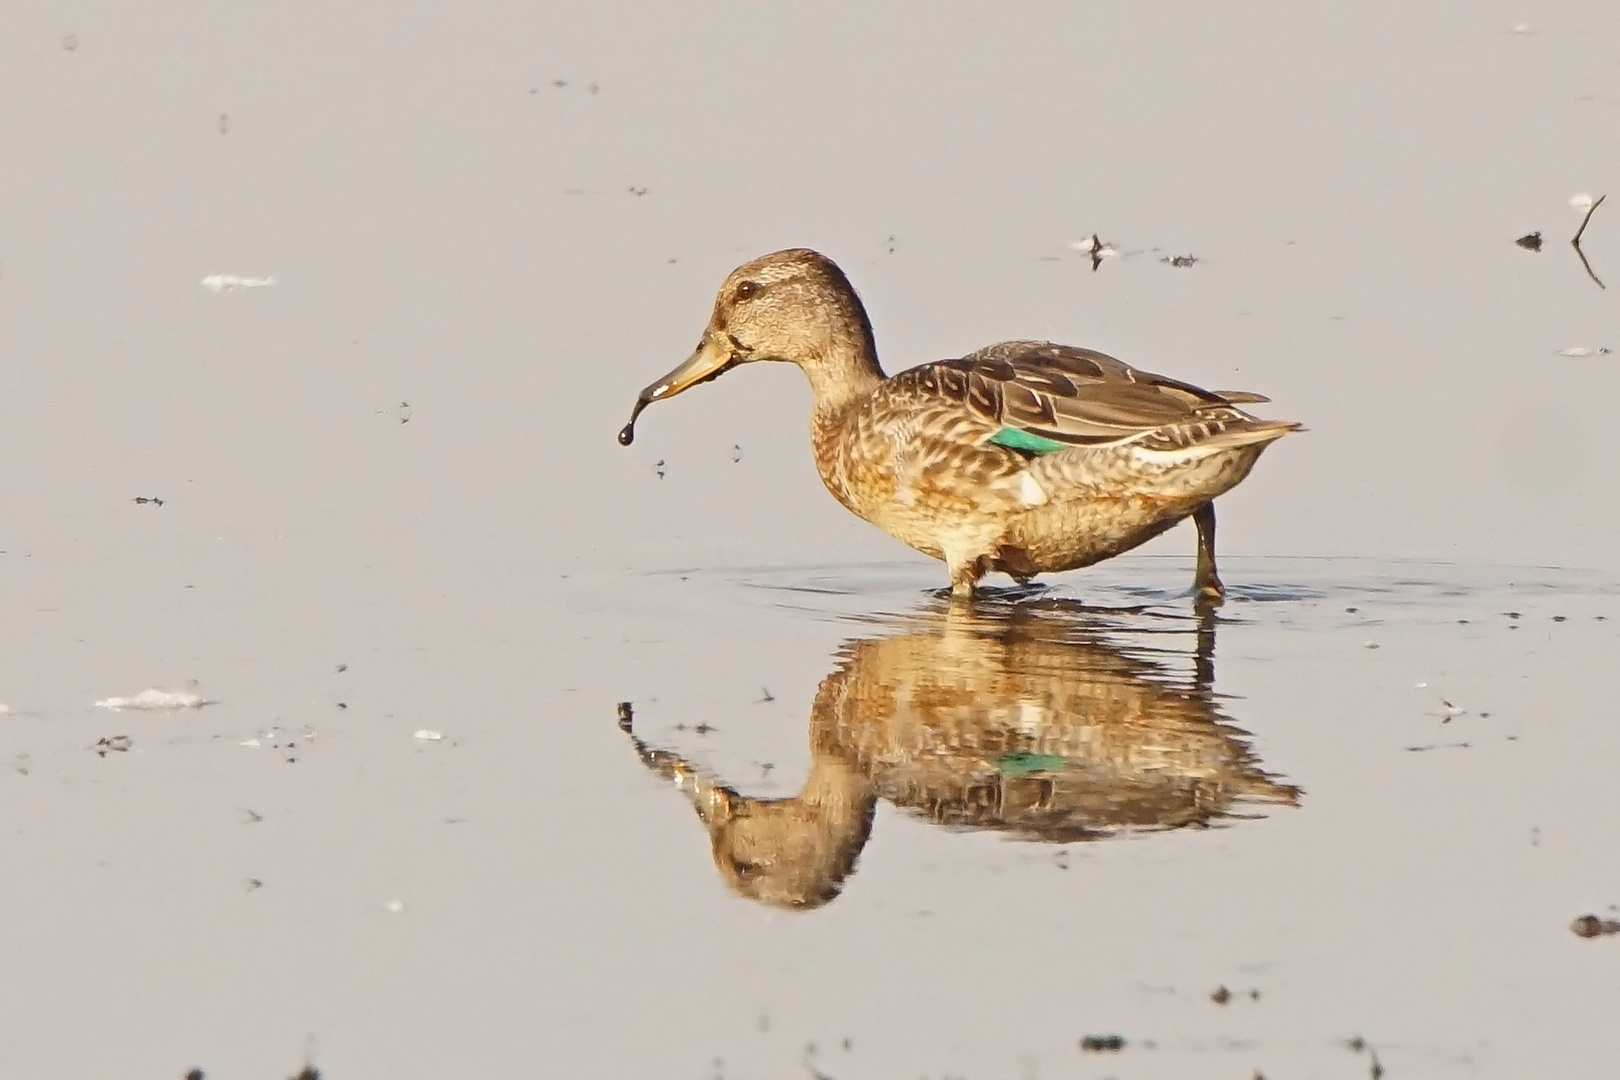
column 429, row 736
column 1580, row 203
column 155, row 699
column 220, row 283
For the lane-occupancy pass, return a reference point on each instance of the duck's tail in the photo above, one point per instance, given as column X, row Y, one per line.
column 1214, row 433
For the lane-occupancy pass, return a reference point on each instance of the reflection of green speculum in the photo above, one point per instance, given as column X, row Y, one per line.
column 1023, row 763
column 1015, row 720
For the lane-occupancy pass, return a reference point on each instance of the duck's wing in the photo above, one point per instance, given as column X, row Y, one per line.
column 1037, row 397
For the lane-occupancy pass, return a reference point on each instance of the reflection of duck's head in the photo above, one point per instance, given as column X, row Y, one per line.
column 792, row 853
column 1026, row 723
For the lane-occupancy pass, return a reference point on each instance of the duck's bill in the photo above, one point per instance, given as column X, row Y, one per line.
column 713, row 356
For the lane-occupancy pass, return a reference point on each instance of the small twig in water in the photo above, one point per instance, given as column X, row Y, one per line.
column 1576, row 241
column 1589, row 211
column 1589, row 271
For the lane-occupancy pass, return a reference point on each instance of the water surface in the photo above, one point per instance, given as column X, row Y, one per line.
column 1367, row 799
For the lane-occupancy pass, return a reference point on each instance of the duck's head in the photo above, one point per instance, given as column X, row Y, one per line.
column 795, row 306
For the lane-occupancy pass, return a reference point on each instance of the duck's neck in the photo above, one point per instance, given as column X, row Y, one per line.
column 841, row 362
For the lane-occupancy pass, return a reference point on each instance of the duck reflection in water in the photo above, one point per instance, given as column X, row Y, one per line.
column 1023, row 719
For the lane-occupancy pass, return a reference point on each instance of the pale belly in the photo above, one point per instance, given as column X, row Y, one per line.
column 1075, row 527
column 1062, row 535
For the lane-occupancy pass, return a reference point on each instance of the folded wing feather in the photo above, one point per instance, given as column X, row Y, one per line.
column 1072, row 396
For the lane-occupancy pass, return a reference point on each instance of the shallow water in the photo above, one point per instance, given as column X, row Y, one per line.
column 392, row 504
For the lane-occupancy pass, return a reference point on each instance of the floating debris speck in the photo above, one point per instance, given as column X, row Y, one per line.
column 1096, row 247
column 1590, row 926
column 112, row 744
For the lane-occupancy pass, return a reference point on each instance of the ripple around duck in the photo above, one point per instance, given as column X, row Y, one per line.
column 1150, row 582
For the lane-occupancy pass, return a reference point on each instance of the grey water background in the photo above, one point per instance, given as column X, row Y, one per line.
column 488, row 226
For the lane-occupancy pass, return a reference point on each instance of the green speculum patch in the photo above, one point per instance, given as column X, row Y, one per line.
column 1019, row 439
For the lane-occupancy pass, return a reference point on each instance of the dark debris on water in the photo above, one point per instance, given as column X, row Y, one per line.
column 1591, row 926
column 1375, row 1068
column 112, row 744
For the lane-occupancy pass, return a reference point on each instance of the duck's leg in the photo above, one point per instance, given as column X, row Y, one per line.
column 1207, row 583
column 965, row 574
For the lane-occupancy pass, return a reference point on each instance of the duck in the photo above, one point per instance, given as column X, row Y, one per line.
column 1024, row 457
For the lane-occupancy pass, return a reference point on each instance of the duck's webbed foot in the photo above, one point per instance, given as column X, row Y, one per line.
column 1207, row 585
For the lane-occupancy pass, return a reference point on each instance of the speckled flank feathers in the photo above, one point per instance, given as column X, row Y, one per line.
column 1025, row 457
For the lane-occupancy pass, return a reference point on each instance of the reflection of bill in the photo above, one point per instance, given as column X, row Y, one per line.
column 1023, row 721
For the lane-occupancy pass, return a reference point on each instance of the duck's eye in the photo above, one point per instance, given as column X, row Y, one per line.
column 746, row 290
column 745, row 870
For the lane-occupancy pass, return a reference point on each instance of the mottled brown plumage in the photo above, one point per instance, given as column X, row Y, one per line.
column 1024, row 457
column 1025, row 723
